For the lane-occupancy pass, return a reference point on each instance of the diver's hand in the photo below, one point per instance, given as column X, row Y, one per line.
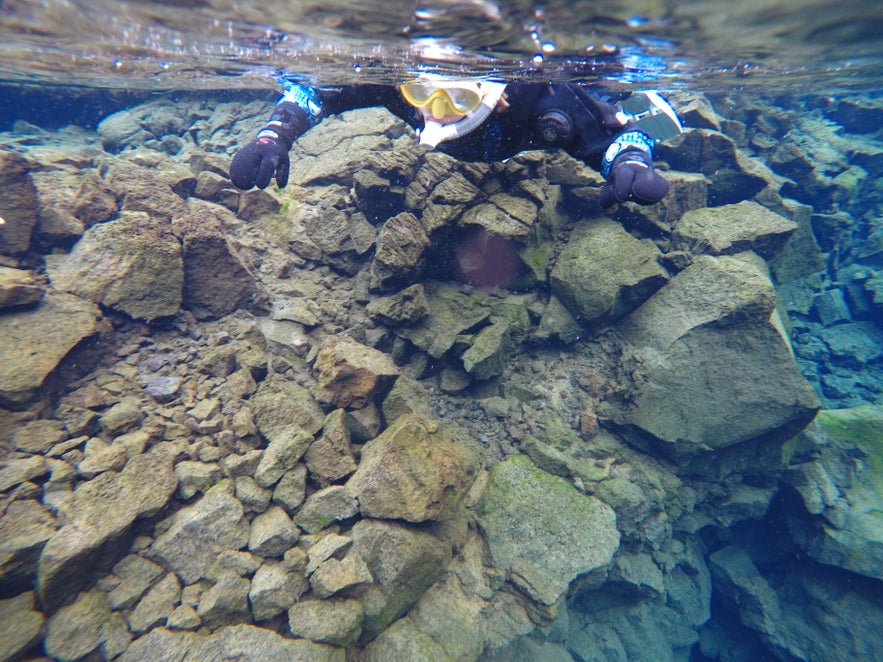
column 257, row 162
column 633, row 177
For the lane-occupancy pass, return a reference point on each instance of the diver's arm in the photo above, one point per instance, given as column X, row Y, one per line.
column 584, row 121
column 299, row 109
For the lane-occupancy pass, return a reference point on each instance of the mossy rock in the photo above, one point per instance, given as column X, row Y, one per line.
column 542, row 531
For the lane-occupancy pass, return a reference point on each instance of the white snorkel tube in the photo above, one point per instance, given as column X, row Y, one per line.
column 433, row 133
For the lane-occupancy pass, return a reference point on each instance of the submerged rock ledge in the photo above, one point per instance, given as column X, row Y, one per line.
column 409, row 407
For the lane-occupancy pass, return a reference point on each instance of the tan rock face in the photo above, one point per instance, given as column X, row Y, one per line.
column 27, row 358
column 413, row 471
column 352, row 374
column 132, row 264
column 18, row 204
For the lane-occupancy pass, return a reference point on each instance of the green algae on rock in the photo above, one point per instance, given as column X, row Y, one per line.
column 604, row 273
column 543, row 532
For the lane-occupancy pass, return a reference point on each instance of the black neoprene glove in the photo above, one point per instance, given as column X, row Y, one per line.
column 257, row 162
column 632, row 177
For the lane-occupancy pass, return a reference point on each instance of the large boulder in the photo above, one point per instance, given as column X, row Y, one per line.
column 215, row 280
column 26, row 357
column 413, row 471
column 198, row 533
column 18, row 204
column 132, row 264
column 352, row 374
column 542, row 531
column 845, row 497
column 745, row 226
column 604, row 273
column 716, row 371
column 403, row 561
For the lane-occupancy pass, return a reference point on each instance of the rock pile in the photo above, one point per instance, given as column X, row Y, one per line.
column 413, row 408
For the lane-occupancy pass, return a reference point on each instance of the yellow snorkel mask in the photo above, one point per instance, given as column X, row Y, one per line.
column 465, row 104
column 443, row 98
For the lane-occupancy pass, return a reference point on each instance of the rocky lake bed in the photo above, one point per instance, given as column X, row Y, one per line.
column 411, row 408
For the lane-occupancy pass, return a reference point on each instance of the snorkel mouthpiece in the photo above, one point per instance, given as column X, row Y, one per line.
column 439, row 108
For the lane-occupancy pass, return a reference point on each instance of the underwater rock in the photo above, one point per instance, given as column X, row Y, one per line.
column 215, row 280
column 367, row 139
column 25, row 528
column 402, row 640
column 490, row 351
column 18, row 204
column 198, row 533
column 283, row 409
column 604, row 273
column 847, row 494
column 557, row 322
column 122, row 417
column 336, row 621
column 226, row 602
column 330, row 457
column 687, row 191
column 399, row 256
column 216, row 188
column 84, row 627
column 101, row 514
column 403, row 561
column 272, row 533
column 21, row 625
column 226, row 643
column 334, row 576
column 274, row 588
column 324, row 507
column 503, row 216
column 95, row 201
column 407, row 306
column 451, row 313
column 351, row 374
column 18, row 288
column 27, row 358
column 132, row 264
column 730, row 174
column 527, row 515
column 414, row 471
column 157, row 605
column 807, row 614
column 149, row 188
column 717, row 372
column 730, row 229
column 56, row 227
column 407, row 396
column 133, row 575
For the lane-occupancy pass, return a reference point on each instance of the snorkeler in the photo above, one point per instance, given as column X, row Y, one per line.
column 486, row 121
